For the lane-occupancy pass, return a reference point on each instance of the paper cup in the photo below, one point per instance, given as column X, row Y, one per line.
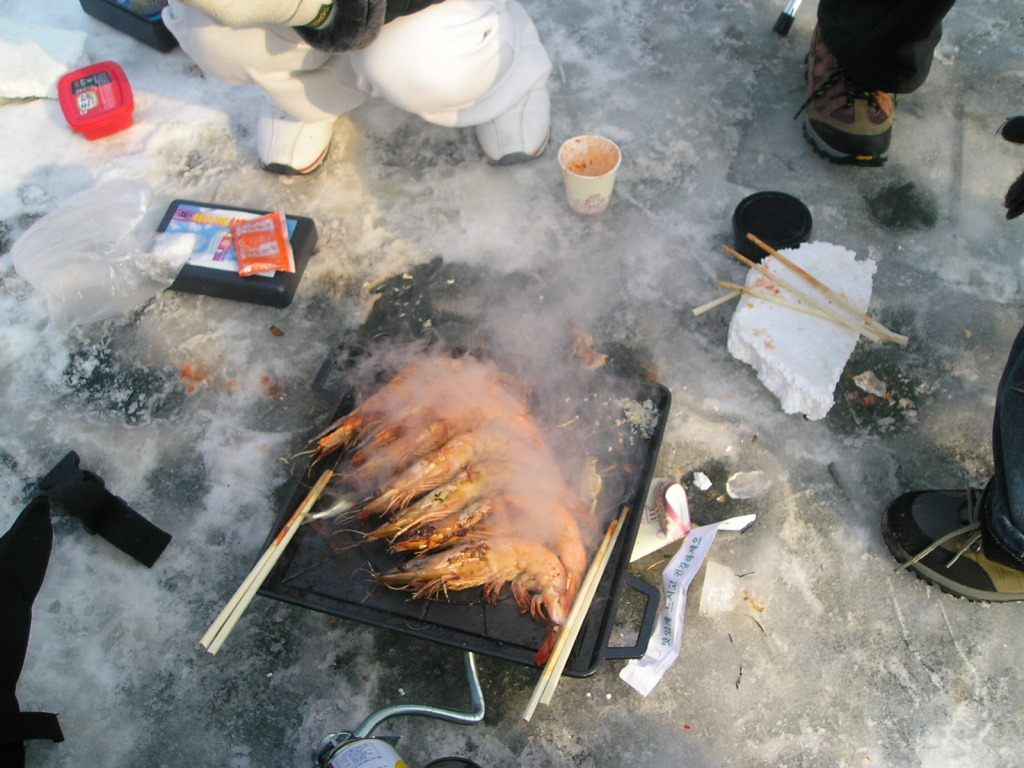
column 588, row 165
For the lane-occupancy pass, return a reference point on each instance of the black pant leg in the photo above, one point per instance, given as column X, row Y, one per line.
column 887, row 45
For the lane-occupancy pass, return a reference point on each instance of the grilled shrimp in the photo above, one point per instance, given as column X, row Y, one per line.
column 533, row 502
column 439, row 467
column 394, row 397
column 530, row 568
column 464, row 522
column 475, row 482
column 449, row 455
column 551, row 523
column 450, row 413
column 341, row 434
column 489, row 476
column 370, row 466
column 428, row 383
column 442, row 501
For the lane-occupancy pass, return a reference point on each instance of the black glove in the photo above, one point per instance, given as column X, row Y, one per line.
column 82, row 494
column 1013, row 130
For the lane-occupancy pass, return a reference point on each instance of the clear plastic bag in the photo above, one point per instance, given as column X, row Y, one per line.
column 94, row 258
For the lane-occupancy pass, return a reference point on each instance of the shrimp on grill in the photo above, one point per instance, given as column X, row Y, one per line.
column 447, row 416
column 477, row 481
column 342, row 434
column 372, row 466
column 534, row 572
column 437, row 468
column 448, row 498
column 434, row 535
column 555, row 527
column 415, row 388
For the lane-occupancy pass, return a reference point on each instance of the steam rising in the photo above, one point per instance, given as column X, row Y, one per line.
column 456, row 434
column 553, row 435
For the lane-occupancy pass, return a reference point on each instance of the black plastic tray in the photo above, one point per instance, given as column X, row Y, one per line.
column 147, row 28
column 332, row 571
column 272, row 291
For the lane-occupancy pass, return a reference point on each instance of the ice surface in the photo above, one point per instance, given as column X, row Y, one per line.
column 721, row 589
column 748, row 485
column 33, row 58
column 191, row 408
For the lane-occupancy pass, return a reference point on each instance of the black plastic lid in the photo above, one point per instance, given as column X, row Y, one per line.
column 781, row 220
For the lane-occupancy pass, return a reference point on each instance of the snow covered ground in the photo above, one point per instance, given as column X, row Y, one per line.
column 187, row 406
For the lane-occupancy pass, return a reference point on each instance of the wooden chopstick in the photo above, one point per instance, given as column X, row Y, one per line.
column 820, row 305
column 587, row 592
column 861, row 328
column 232, row 612
column 838, row 298
column 714, row 303
column 552, row 673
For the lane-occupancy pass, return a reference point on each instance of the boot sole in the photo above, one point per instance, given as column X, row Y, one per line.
column 287, row 170
column 518, row 158
column 863, row 161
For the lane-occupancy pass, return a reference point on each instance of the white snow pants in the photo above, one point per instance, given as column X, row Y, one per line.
column 458, row 63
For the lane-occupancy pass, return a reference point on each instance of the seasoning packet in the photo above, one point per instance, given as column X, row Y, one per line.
column 262, row 245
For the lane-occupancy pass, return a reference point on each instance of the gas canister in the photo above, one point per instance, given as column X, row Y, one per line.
column 358, row 753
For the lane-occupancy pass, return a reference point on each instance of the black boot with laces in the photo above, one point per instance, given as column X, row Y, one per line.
column 938, row 535
column 844, row 121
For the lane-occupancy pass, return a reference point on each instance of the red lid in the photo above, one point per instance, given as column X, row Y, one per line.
column 97, row 100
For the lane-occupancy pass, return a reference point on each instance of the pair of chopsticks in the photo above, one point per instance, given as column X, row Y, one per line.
column 225, row 622
column 545, row 688
column 850, row 317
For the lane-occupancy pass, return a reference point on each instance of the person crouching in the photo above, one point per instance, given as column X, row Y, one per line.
column 458, row 63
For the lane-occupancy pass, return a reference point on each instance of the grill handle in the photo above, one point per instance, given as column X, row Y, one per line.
column 643, row 637
column 320, row 385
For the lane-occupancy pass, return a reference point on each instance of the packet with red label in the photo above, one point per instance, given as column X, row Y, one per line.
column 262, row 244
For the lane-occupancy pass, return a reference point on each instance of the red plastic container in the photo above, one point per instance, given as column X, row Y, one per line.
column 97, row 100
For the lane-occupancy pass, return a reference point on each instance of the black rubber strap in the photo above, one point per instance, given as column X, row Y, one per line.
column 31, row 725
column 24, row 555
column 83, row 494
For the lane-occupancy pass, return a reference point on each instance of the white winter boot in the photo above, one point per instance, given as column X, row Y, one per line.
column 289, row 146
column 521, row 133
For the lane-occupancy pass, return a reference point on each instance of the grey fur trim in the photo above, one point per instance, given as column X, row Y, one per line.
column 353, row 25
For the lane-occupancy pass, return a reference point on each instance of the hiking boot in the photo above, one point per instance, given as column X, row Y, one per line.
column 937, row 534
column 289, row 146
column 520, row 134
column 844, row 121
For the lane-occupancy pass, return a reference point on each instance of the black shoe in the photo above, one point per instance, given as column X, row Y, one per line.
column 937, row 534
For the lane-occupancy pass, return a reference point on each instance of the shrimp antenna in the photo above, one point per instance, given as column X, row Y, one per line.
column 346, row 503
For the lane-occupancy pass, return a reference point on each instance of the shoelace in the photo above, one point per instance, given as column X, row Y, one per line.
column 973, row 528
column 852, row 91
